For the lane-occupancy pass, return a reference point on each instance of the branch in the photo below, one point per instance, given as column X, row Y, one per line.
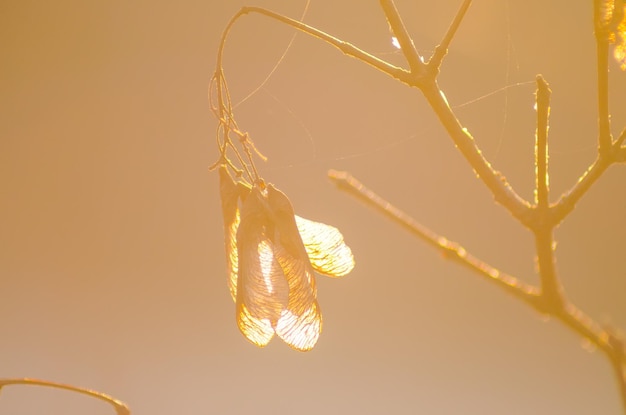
column 120, row 407
column 619, row 152
column 566, row 313
column 442, row 49
column 567, row 202
column 620, row 139
column 602, row 64
column 541, row 144
column 502, row 191
column 619, row 367
column 610, row 343
column 450, row 250
column 551, row 291
column 345, row 47
column 416, row 62
column 495, row 181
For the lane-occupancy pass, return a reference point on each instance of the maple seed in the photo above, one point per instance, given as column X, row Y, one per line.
column 271, row 254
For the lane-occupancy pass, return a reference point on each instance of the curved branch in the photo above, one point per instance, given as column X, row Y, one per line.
column 120, row 407
column 345, row 47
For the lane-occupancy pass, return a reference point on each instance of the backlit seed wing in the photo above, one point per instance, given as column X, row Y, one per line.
column 258, row 331
column 301, row 323
column 229, row 194
column 301, row 332
column 262, row 287
column 326, row 248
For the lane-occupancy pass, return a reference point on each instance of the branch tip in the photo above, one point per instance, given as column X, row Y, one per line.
column 442, row 49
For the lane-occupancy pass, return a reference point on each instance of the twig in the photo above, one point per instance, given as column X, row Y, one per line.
column 495, row 181
column 502, row 191
column 416, row 62
column 567, row 202
column 120, row 407
column 562, row 310
column 619, row 152
column 618, row 360
column 619, row 367
column 345, row 47
column 602, row 64
column 620, row 139
column 541, row 144
column 442, row 49
column 450, row 250
column 605, row 339
column 551, row 290
column 541, row 219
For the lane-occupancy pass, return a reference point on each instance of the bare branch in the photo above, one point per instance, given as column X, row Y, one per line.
column 605, row 339
column 442, row 49
column 542, row 186
column 120, row 407
column 502, row 191
column 602, row 65
column 450, row 250
column 345, row 47
column 620, row 139
column 543, row 226
column 619, row 151
column 551, row 289
column 567, row 202
column 416, row 62
column 541, row 219
column 619, row 367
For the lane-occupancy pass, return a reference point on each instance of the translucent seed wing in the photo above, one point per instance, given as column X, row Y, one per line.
column 262, row 288
column 257, row 331
column 325, row 247
column 229, row 194
column 301, row 332
column 301, row 323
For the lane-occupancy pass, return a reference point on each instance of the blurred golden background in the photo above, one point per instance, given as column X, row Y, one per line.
column 112, row 269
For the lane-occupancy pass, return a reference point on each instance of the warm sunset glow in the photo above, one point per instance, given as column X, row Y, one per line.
column 142, row 258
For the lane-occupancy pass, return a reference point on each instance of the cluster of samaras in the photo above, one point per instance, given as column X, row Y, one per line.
column 271, row 257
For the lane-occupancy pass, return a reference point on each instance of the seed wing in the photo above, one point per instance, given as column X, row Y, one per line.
column 325, row 247
column 262, row 287
column 301, row 323
column 229, row 194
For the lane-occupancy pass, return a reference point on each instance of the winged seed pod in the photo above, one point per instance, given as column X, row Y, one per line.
column 271, row 254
